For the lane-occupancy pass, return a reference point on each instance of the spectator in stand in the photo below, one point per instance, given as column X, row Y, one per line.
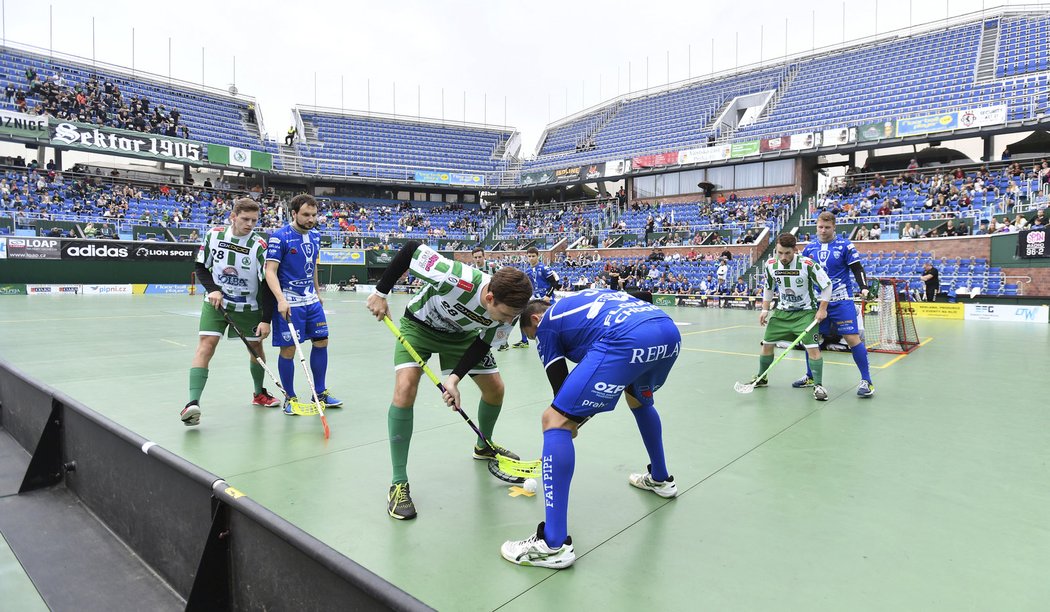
column 982, row 228
column 932, row 278
column 1019, row 223
column 1039, row 221
column 950, row 230
column 290, row 137
column 862, row 233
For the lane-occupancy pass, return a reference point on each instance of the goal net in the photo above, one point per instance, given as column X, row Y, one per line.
column 889, row 323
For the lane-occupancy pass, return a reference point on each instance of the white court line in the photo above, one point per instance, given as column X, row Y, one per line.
column 173, row 342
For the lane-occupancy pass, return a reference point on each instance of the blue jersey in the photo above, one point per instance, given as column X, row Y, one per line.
column 297, row 254
column 541, row 277
column 835, row 257
column 574, row 324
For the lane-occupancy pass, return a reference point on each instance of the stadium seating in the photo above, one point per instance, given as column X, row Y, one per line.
column 395, row 148
column 958, row 275
column 211, row 116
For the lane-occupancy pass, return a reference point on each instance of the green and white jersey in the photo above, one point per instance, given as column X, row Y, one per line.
column 451, row 298
column 798, row 285
column 490, row 267
column 236, row 264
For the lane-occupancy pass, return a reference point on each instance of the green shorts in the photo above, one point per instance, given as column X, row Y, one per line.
column 448, row 346
column 786, row 325
column 212, row 323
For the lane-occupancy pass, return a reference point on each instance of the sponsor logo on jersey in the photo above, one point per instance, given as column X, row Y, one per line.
column 230, row 278
column 430, row 263
column 465, row 285
column 234, row 247
column 787, row 272
column 473, row 316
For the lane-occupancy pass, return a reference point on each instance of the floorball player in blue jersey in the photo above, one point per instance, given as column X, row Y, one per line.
column 840, row 259
column 291, row 273
column 621, row 345
column 544, row 282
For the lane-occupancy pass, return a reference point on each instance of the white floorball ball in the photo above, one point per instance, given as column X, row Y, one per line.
column 530, row 485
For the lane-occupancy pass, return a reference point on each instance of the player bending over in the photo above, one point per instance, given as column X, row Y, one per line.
column 839, row 257
column 459, row 314
column 291, row 273
column 544, row 282
column 621, row 345
column 802, row 289
column 230, row 266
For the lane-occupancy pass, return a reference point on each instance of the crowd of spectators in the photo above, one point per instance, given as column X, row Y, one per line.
column 97, row 101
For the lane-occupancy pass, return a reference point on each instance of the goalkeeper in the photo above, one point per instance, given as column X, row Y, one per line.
column 803, row 289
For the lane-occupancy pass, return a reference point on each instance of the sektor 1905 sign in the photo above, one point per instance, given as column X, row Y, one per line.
column 95, row 138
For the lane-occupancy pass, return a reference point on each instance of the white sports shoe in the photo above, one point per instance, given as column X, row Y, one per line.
column 820, row 393
column 645, row 481
column 533, row 551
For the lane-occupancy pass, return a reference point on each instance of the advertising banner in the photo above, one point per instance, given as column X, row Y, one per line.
column 567, row 174
column 114, row 250
column 804, row 141
column 655, row 161
column 660, row 299
column 3, row 248
column 99, row 139
column 23, row 126
column 107, row 289
column 32, row 248
column 167, row 289
column 838, row 136
column 379, row 258
column 592, row 171
column 242, row 158
column 618, row 167
column 1007, row 312
column 980, row 117
column 934, row 310
column 537, row 178
column 927, row 124
column 742, row 149
column 342, row 257
column 1032, row 243
column 877, row 131
column 12, row 289
column 449, row 178
column 704, row 154
column 775, row 144
column 53, row 289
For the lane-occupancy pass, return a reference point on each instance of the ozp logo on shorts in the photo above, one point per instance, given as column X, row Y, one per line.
column 608, row 390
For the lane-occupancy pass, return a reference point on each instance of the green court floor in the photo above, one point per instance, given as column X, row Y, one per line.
column 934, row 495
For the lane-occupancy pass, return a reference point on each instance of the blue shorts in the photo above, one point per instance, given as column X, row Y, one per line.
column 309, row 322
column 842, row 319
column 637, row 362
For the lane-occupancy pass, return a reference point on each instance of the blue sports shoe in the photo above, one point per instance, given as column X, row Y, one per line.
column 865, row 389
column 288, row 408
column 329, row 400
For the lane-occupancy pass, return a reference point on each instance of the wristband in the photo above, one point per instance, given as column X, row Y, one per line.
column 379, row 293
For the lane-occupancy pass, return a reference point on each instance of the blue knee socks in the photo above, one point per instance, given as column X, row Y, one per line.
column 652, row 435
column 860, row 356
column 286, row 370
column 318, row 367
column 559, row 461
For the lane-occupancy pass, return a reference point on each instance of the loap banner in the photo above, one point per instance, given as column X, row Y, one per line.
column 33, row 248
column 1012, row 313
column 23, row 125
column 101, row 139
column 114, row 250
